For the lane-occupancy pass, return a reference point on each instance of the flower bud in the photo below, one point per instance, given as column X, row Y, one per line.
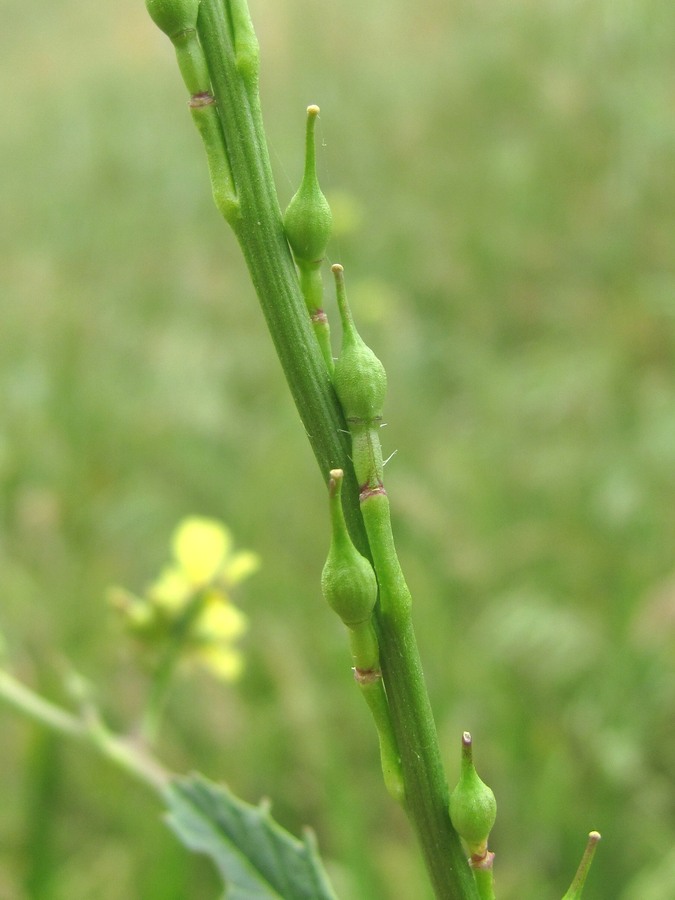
column 308, row 221
column 348, row 581
column 359, row 378
column 173, row 16
column 473, row 807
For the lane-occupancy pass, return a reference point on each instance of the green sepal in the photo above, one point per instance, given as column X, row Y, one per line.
column 308, row 221
column 348, row 581
column 473, row 808
column 359, row 379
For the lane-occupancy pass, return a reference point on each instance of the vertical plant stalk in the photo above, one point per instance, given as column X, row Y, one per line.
column 230, row 48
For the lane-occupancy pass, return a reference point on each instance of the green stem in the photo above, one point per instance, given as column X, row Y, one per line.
column 205, row 116
column 163, row 675
column 311, row 285
column 372, row 689
column 260, row 232
column 87, row 728
column 483, row 873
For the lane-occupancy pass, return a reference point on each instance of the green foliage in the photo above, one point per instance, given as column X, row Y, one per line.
column 257, row 859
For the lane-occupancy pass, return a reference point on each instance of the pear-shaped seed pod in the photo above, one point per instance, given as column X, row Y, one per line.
column 359, row 378
column 308, row 221
column 348, row 581
column 173, row 16
column 473, row 807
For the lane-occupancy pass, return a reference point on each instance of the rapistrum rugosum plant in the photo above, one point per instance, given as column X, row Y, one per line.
column 341, row 406
column 187, row 615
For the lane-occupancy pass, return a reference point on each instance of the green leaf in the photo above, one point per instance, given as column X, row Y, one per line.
column 256, row 857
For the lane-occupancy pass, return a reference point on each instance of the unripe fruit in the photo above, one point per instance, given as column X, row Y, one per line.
column 359, row 379
column 473, row 807
column 173, row 16
column 348, row 581
column 308, row 221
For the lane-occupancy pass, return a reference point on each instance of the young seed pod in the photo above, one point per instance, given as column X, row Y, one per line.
column 348, row 581
column 173, row 16
column 308, row 221
column 359, row 378
column 473, row 807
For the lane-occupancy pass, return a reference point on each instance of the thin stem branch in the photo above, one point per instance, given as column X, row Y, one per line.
column 88, row 728
column 163, row 675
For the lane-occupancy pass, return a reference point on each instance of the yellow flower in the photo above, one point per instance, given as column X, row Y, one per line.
column 171, row 591
column 203, row 557
column 203, row 569
column 210, row 644
column 224, row 663
column 200, row 547
column 219, row 622
column 239, row 566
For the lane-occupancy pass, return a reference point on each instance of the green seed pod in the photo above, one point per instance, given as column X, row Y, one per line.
column 308, row 221
column 473, row 807
column 359, row 378
column 348, row 581
column 173, row 16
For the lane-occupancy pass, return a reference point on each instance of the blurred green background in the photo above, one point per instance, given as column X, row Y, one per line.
column 502, row 175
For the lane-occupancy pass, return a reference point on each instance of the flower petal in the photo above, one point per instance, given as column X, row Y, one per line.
column 239, row 566
column 171, row 591
column 220, row 622
column 223, row 662
column 200, row 546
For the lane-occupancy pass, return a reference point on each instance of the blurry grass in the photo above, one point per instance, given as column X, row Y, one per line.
column 508, row 167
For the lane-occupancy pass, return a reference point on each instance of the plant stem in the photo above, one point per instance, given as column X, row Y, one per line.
column 87, row 727
column 483, row 873
column 259, row 230
column 163, row 675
